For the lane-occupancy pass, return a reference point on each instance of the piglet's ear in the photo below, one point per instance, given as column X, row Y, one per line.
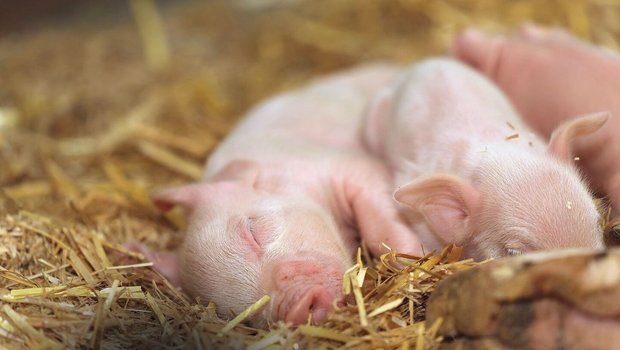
column 447, row 203
column 561, row 141
column 238, row 172
column 185, row 196
column 376, row 115
column 243, row 170
column 165, row 262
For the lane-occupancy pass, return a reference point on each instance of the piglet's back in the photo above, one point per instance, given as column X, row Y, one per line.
column 443, row 110
column 306, row 123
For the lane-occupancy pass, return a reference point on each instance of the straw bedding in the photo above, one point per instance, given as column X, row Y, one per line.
column 97, row 111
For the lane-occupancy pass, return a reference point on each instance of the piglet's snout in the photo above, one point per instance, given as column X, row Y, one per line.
column 317, row 301
column 307, row 288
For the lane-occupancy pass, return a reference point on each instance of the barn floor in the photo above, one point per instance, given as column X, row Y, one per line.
column 94, row 116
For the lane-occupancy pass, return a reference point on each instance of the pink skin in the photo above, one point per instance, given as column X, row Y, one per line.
column 286, row 222
column 551, row 77
column 447, row 127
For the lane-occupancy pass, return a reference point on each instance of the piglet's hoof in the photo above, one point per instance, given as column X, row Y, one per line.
column 549, row 300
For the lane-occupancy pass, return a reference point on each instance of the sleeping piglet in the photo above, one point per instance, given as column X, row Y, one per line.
column 283, row 202
column 481, row 179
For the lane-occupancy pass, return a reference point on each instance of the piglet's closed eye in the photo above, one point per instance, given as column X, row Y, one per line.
column 254, row 233
column 263, row 229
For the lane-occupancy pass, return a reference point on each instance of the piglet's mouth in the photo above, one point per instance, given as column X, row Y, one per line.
column 313, row 303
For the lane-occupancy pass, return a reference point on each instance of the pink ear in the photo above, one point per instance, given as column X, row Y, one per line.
column 561, row 141
column 447, row 203
column 238, row 170
column 377, row 113
column 186, row 196
column 165, row 262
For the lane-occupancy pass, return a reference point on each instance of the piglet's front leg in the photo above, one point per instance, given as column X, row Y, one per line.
column 378, row 219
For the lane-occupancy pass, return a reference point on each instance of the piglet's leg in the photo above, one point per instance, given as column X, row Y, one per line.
column 379, row 222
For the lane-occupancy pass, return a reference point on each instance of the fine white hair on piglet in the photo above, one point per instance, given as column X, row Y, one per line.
column 528, row 173
column 466, row 176
column 283, row 201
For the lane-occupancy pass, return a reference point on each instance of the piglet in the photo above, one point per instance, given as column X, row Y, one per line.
column 571, row 77
column 481, row 179
column 283, row 202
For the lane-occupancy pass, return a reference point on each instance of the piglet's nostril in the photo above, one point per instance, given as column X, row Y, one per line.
column 317, row 301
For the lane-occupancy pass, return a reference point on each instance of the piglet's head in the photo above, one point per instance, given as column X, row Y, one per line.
column 245, row 241
column 518, row 200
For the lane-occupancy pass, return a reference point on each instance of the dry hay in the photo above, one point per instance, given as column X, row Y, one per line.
column 90, row 125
